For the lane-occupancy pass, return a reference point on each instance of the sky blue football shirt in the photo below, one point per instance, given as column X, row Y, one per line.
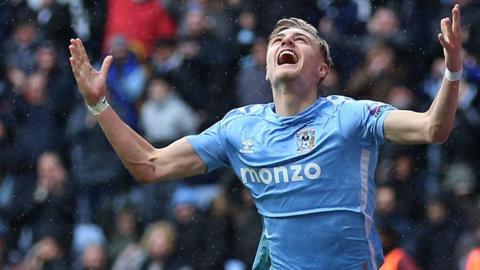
column 311, row 176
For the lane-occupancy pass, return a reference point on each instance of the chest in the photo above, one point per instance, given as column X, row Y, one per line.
column 260, row 144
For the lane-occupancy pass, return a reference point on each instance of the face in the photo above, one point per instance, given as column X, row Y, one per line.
column 158, row 90
column 50, row 167
column 158, row 244
column 294, row 53
column 45, row 58
column 35, row 91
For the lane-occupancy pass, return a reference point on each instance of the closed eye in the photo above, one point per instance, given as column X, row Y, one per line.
column 276, row 40
column 301, row 39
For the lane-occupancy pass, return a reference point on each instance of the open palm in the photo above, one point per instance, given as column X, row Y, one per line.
column 451, row 40
column 91, row 82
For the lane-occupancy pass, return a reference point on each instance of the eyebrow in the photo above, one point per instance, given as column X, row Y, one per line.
column 294, row 34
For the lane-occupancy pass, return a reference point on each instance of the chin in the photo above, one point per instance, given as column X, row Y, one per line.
column 286, row 74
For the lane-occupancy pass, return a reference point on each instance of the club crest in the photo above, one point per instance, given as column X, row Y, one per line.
column 305, row 140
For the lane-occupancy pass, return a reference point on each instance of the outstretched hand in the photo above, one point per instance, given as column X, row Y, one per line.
column 91, row 82
column 451, row 40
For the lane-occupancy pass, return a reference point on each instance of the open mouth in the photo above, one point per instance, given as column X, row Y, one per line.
column 287, row 57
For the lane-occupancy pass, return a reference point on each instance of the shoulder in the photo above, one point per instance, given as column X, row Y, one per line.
column 254, row 111
column 349, row 104
column 339, row 100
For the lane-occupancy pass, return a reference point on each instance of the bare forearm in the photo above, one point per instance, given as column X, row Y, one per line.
column 432, row 126
column 134, row 151
column 442, row 111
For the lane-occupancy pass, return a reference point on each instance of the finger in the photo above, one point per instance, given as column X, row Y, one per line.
column 82, row 50
column 76, row 64
column 456, row 19
column 446, row 26
column 106, row 65
column 75, row 70
column 442, row 40
column 86, row 67
column 75, row 52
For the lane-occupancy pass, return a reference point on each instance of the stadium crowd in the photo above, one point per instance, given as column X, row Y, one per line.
column 66, row 201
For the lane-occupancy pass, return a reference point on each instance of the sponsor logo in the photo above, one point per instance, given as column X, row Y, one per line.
column 247, row 146
column 281, row 174
column 305, row 140
column 376, row 108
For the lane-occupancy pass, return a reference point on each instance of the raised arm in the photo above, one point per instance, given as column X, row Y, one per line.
column 435, row 125
column 144, row 162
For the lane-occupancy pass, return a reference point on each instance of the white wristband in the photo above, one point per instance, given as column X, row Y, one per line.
column 98, row 108
column 453, row 76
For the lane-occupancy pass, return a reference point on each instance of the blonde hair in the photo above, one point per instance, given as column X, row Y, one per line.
column 284, row 24
column 168, row 231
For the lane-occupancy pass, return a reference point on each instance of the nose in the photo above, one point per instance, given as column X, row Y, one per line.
column 287, row 41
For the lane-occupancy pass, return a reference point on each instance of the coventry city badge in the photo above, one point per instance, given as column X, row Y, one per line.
column 305, row 140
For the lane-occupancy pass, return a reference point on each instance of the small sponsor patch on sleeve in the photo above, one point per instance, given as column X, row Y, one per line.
column 376, row 108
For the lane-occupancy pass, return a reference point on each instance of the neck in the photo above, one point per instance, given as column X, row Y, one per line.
column 293, row 97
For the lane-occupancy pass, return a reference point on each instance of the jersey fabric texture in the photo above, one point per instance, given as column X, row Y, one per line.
column 311, row 176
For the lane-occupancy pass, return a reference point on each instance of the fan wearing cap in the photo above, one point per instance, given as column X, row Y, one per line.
column 308, row 161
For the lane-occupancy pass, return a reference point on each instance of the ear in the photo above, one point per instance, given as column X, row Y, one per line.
column 266, row 73
column 322, row 71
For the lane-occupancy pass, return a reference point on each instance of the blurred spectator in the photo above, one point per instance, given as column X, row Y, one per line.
column 94, row 258
column 10, row 13
column 7, row 193
column 435, row 250
column 332, row 84
column 190, row 228
column 48, row 208
column 219, row 223
column 384, row 27
column 125, row 232
column 3, row 249
column 473, row 260
column 86, row 235
column 95, row 166
column 37, row 131
column 49, row 62
column 177, row 60
column 141, row 22
column 54, row 200
column 155, row 251
column 376, row 76
column 8, row 158
column 245, row 36
column 460, row 146
column 21, row 46
column 95, row 13
column 164, row 117
column 467, row 247
column 396, row 258
column 388, row 214
column 46, row 254
column 459, row 183
column 126, row 80
column 165, row 58
column 208, row 65
column 342, row 26
column 251, row 84
column 247, row 229
column 55, row 22
column 401, row 97
column 409, row 187
column 269, row 12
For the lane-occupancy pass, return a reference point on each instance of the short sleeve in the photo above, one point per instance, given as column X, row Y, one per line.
column 364, row 120
column 210, row 146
